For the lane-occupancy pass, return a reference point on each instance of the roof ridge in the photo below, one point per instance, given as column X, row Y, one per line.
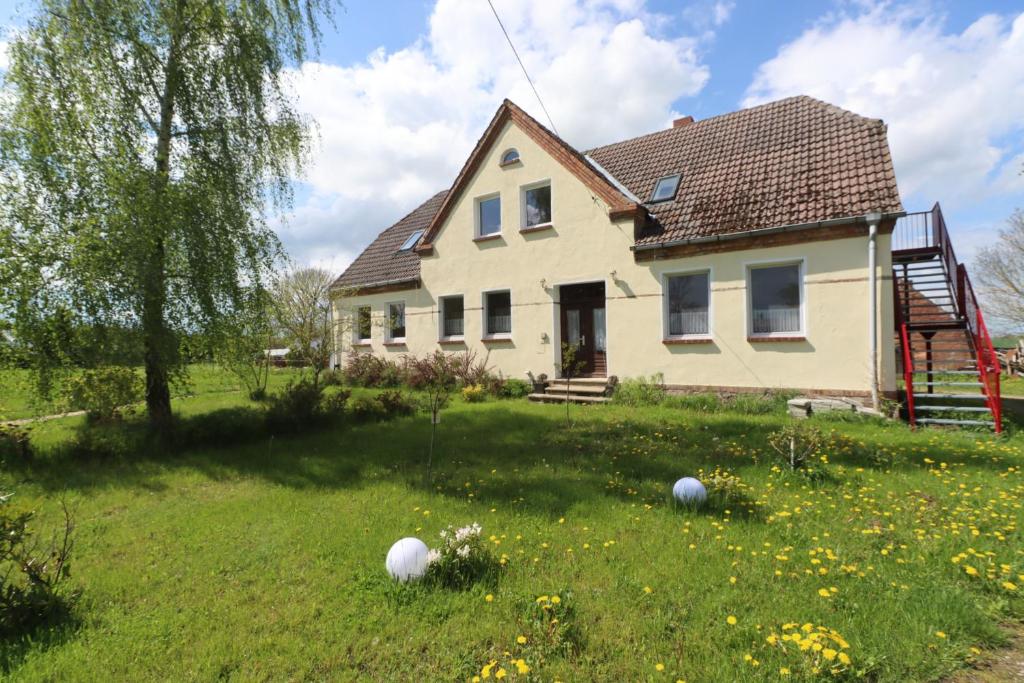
column 738, row 112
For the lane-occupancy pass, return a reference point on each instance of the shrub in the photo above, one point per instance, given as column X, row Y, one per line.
column 473, row 394
column 701, row 403
column 796, row 446
column 515, row 388
column 367, row 409
column 332, row 404
column 757, row 404
column 31, row 577
column 367, row 370
column 332, row 378
column 395, row 403
column 103, row 442
column 14, row 444
column 222, row 427
column 641, row 391
column 103, row 392
column 462, row 559
column 294, row 407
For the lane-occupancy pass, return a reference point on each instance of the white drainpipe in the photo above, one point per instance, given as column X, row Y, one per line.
column 873, row 220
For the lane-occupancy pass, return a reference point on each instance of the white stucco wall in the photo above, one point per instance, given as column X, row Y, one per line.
column 585, row 246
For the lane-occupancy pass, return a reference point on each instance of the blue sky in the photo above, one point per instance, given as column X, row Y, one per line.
column 402, row 90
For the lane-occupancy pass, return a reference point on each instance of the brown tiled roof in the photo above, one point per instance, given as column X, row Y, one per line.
column 381, row 263
column 790, row 162
column 794, row 161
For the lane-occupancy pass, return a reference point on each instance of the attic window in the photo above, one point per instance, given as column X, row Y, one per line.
column 411, row 242
column 510, row 156
column 665, row 188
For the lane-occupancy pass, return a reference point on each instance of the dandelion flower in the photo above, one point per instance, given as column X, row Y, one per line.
column 659, row 667
column 823, row 592
column 521, row 640
column 940, row 634
column 731, row 620
column 784, row 671
column 489, row 598
column 522, row 667
column 648, row 590
column 555, row 599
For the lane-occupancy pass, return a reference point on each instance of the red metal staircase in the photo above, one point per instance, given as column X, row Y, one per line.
column 950, row 370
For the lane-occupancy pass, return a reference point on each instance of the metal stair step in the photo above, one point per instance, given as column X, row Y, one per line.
column 949, row 384
column 958, row 397
column 945, row 372
column 945, row 421
column 952, row 409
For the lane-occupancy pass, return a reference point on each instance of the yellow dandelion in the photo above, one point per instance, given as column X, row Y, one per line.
column 940, row 634
column 784, row 671
column 731, row 620
column 489, row 598
column 555, row 599
column 823, row 592
column 521, row 667
column 648, row 590
column 1009, row 586
column 659, row 667
column 521, row 640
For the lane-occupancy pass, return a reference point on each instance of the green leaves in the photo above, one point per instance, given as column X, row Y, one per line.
column 142, row 144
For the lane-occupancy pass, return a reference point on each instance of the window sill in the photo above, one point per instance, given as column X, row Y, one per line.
column 792, row 338
column 497, row 338
column 451, row 340
column 362, row 344
column 514, row 162
column 536, row 228
column 487, row 238
column 688, row 340
column 395, row 342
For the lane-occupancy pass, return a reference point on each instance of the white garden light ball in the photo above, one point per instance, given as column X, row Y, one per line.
column 689, row 491
column 407, row 559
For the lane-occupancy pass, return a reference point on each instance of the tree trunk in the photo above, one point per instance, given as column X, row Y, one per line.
column 159, row 342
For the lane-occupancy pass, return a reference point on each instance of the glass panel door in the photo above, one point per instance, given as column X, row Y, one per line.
column 599, row 334
column 572, row 320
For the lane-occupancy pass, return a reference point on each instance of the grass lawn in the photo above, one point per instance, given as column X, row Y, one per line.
column 204, row 380
column 266, row 561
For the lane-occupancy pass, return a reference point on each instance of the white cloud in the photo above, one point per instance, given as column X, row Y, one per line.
column 397, row 127
column 954, row 103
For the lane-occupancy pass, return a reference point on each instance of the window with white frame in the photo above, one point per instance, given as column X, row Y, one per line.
column 497, row 313
column 453, row 315
column 687, row 302
column 488, row 216
column 396, row 321
column 364, row 330
column 775, row 299
column 536, row 202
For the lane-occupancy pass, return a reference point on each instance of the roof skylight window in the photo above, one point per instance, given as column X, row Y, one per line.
column 411, row 242
column 666, row 188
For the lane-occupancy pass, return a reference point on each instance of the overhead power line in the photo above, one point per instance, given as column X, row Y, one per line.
column 523, row 67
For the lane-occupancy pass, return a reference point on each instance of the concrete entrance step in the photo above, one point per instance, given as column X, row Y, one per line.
column 575, row 388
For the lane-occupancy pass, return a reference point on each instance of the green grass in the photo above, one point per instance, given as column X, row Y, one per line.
column 17, row 400
column 266, row 561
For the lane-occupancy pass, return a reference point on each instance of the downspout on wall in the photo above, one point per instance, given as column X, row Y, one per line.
column 872, row 220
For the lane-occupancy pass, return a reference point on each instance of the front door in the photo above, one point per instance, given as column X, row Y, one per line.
column 583, row 325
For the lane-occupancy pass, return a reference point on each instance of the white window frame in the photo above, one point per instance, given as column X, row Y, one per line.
column 801, row 264
column 522, row 204
column 665, row 303
column 356, row 337
column 503, row 162
column 440, row 318
column 483, row 305
column 405, row 320
column 476, row 216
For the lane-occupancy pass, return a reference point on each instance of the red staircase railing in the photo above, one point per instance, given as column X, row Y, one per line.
column 926, row 231
column 908, row 373
column 988, row 363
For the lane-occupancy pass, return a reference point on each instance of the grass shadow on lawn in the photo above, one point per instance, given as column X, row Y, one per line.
column 633, row 454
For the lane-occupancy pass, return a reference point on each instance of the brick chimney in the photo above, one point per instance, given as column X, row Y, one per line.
column 685, row 121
